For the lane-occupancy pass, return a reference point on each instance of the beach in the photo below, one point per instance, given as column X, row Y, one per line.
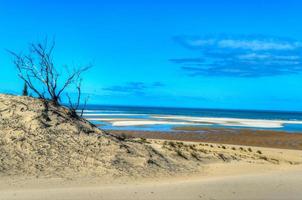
column 248, row 137
column 151, row 100
column 47, row 154
column 227, row 180
column 272, row 185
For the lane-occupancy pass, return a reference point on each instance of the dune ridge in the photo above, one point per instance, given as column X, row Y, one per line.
column 35, row 140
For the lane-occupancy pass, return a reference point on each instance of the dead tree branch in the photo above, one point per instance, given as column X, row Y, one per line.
column 38, row 71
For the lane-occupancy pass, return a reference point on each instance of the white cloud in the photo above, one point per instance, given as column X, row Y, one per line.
column 254, row 43
column 242, row 56
column 257, row 45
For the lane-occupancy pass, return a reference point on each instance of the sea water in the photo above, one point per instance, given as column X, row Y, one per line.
column 165, row 119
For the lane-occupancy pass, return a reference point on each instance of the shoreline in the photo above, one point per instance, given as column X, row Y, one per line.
column 131, row 119
column 59, row 157
column 246, row 137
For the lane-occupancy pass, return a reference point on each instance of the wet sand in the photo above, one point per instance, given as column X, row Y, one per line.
column 248, row 137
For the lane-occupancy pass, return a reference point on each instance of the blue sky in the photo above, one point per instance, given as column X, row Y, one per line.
column 205, row 54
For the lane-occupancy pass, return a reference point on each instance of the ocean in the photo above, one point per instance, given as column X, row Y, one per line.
column 165, row 119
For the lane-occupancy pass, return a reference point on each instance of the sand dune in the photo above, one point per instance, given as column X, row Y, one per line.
column 47, row 154
column 44, row 140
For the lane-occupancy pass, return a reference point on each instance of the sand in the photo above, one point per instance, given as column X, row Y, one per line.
column 247, row 137
column 40, row 140
column 45, row 153
column 258, row 186
column 228, row 180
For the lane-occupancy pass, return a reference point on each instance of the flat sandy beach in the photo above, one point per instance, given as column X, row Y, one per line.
column 272, row 185
column 227, row 180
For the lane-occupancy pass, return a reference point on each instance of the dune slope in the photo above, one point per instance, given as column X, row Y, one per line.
column 42, row 139
column 39, row 139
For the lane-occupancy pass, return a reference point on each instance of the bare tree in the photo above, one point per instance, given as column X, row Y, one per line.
column 39, row 73
column 75, row 105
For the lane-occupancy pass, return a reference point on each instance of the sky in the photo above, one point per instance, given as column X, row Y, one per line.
column 202, row 54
